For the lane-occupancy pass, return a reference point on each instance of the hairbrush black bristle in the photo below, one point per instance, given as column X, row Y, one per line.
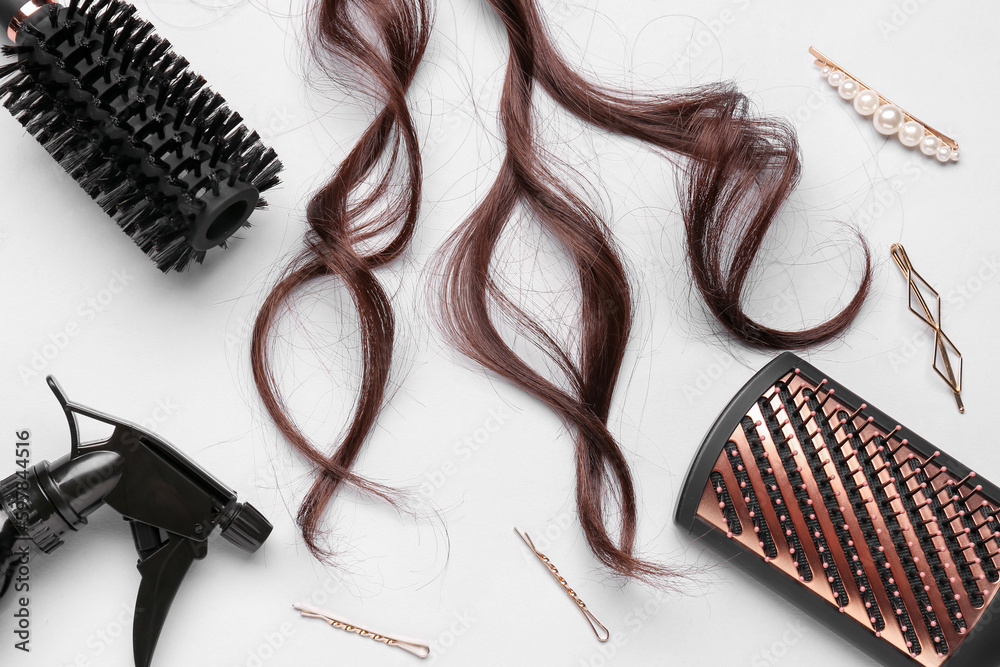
column 143, row 135
column 853, row 517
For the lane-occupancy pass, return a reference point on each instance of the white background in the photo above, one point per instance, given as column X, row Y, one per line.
column 171, row 351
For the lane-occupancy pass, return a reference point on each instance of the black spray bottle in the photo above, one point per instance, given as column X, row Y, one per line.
column 171, row 504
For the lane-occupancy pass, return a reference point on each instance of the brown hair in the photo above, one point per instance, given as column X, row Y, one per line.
column 741, row 170
column 351, row 234
column 737, row 170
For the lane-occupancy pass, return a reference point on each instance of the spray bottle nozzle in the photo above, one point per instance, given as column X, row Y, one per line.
column 246, row 528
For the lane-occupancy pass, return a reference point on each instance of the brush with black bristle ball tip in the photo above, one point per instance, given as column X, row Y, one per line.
column 142, row 134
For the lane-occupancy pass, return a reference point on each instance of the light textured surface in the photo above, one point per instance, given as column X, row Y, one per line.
column 79, row 301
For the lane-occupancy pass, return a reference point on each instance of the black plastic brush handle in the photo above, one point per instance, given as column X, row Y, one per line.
column 11, row 9
column 8, row 10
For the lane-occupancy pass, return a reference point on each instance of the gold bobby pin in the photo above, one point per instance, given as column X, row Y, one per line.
column 889, row 119
column 419, row 650
column 602, row 632
column 943, row 347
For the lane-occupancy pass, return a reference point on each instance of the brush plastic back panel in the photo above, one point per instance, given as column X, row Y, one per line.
column 852, row 516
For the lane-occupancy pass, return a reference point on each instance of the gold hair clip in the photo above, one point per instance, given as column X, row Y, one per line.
column 889, row 119
column 944, row 349
column 419, row 650
column 602, row 632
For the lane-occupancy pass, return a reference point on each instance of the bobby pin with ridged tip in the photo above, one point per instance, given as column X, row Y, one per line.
column 599, row 630
column 889, row 118
column 932, row 317
column 419, row 650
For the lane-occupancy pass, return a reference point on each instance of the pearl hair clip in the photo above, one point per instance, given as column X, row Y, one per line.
column 889, row 119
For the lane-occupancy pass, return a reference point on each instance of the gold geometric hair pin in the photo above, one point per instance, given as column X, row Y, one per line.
column 889, row 119
column 929, row 301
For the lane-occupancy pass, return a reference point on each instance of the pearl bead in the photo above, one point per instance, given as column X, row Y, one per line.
column 826, row 71
column 911, row 133
column 866, row 102
column 849, row 89
column 943, row 154
column 888, row 119
column 836, row 78
column 929, row 144
column 954, row 155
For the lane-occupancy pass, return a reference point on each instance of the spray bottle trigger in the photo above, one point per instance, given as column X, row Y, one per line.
column 147, row 538
column 164, row 560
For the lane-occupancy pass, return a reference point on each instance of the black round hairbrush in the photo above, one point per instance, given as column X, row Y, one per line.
column 141, row 133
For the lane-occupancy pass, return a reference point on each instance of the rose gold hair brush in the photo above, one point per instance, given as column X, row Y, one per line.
column 853, row 517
